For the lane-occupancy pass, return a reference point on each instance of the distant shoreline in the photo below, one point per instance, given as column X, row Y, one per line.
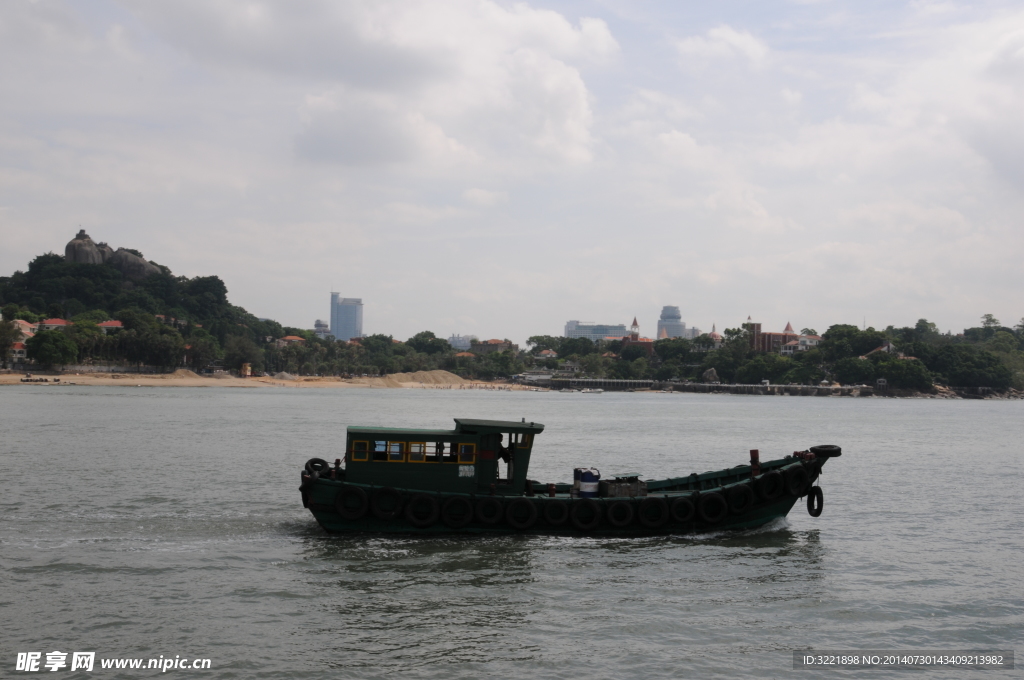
column 438, row 380
column 433, row 380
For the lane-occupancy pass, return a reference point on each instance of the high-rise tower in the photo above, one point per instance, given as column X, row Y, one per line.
column 346, row 317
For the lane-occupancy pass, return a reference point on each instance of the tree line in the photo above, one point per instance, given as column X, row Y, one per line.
column 200, row 328
column 989, row 355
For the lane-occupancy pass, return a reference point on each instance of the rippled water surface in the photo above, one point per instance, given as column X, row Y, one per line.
column 137, row 522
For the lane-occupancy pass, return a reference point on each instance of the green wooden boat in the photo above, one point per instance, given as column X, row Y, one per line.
column 473, row 479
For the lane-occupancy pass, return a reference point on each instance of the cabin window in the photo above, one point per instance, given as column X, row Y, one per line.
column 435, row 455
column 380, row 451
column 360, row 452
column 417, row 452
column 467, row 453
column 396, row 452
column 451, row 455
column 527, row 441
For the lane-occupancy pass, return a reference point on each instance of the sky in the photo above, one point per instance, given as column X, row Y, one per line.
column 498, row 168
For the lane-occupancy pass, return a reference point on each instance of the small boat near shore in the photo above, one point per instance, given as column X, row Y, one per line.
column 474, row 479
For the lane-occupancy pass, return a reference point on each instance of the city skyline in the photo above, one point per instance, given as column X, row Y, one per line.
column 478, row 167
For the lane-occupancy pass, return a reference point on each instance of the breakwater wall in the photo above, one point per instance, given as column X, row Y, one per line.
column 707, row 388
column 768, row 390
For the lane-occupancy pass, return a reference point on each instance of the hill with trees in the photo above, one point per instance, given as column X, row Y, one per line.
column 172, row 321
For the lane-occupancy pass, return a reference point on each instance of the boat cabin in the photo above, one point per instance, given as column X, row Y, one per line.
column 478, row 456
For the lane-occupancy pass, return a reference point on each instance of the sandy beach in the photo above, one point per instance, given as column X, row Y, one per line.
column 186, row 378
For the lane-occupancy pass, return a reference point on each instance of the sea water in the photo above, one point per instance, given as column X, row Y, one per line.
column 166, row 522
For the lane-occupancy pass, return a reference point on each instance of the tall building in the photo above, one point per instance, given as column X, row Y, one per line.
column 594, row 331
column 671, row 325
column 346, row 317
column 462, row 342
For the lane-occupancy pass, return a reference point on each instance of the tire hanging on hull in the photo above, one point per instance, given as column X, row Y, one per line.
column 351, row 502
column 712, row 507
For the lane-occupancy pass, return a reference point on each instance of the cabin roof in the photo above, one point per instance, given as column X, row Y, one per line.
column 462, row 425
column 488, row 426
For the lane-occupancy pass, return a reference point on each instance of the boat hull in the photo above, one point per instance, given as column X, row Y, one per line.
column 726, row 500
column 332, row 522
column 321, row 502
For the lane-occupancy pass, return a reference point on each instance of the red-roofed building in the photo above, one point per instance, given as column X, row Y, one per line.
column 26, row 329
column 53, row 325
column 17, row 353
column 290, row 340
column 547, row 354
column 770, row 342
column 634, row 339
column 108, row 326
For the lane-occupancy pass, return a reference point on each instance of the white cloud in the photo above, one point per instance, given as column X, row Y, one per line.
column 295, row 147
column 723, row 42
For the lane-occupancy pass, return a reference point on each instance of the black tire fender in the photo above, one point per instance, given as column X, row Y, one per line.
column 653, row 512
column 578, row 511
column 416, row 504
column 826, row 451
column 770, row 485
column 620, row 513
column 740, row 498
column 382, row 498
column 682, row 509
column 489, row 510
column 343, row 502
column 457, row 512
column 514, row 510
column 797, row 481
column 317, row 465
column 712, row 507
column 815, row 501
column 556, row 513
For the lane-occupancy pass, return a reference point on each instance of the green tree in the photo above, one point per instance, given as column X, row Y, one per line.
column 633, row 352
column 428, row 343
column 10, row 312
column 967, row 366
column 240, row 350
column 808, row 331
column 902, row 373
column 94, row 315
column 989, row 321
column 538, row 343
column 594, row 365
column 201, row 350
column 771, row 367
column 854, row 371
column 51, row 348
column 9, row 334
column 672, row 348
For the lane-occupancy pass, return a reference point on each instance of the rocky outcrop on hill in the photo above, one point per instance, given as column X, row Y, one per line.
column 132, row 266
column 710, row 375
column 81, row 249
